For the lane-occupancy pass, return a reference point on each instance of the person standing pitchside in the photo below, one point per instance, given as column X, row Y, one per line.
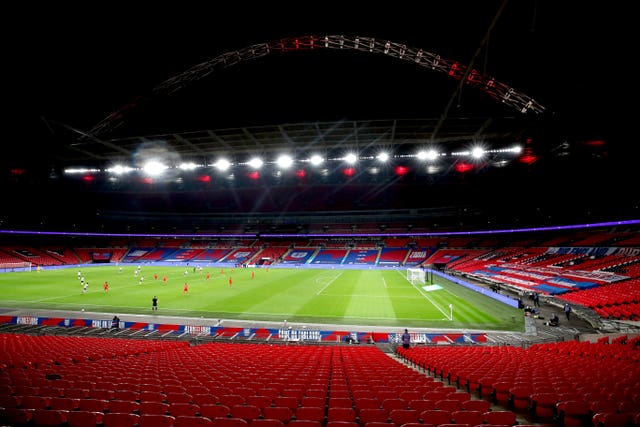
column 154, row 303
column 406, row 339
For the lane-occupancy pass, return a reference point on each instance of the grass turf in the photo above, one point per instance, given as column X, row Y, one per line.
column 341, row 297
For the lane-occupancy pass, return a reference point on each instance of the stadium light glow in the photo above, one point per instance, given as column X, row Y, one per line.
column 222, row 164
column 350, row 158
column 255, row 163
column 284, row 162
column 316, row 160
column 383, row 156
column 120, row 169
column 154, row 168
column 187, row 166
column 477, row 152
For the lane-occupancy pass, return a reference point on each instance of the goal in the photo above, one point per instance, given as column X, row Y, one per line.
column 15, row 266
column 416, row 276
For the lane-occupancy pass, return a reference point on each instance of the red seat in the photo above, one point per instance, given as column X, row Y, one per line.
column 341, row 414
column 201, row 399
column 265, row 422
column 126, row 395
column 229, row 422
column 49, row 417
column 544, row 406
column 178, row 398
column 391, row 404
column 124, row 406
column 15, row 416
column 467, row 417
column 449, row 405
column 369, row 414
column 613, row 419
column 281, row 413
column 435, row 416
column 246, row 412
column 35, row 402
column 10, row 401
column 304, row 423
column 573, row 413
column 77, row 393
column 476, row 405
column 215, row 411
column 154, row 408
column 84, row 419
column 259, row 401
column 192, row 421
column 64, row 403
column 500, row 417
column 314, row 413
column 155, row 420
column 93, row 405
column 179, row 408
column 403, row 416
column 421, row 404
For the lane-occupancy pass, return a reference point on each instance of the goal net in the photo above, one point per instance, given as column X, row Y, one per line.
column 416, row 276
column 15, row 266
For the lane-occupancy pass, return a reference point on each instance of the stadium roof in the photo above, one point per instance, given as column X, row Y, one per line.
column 89, row 88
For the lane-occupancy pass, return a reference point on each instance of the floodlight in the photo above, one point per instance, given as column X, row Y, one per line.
column 255, row 163
column 284, row 161
column 222, row 164
column 154, row 168
column 350, row 158
column 316, row 160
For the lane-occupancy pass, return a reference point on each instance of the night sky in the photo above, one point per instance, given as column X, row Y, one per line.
column 67, row 67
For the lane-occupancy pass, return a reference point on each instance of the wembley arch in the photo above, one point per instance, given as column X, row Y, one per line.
column 497, row 90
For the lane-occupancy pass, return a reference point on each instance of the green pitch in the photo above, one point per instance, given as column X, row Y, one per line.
column 341, row 297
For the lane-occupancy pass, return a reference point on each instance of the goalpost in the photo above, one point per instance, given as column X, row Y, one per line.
column 416, row 276
column 15, row 266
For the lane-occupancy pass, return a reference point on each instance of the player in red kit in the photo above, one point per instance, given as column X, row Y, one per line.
column 186, row 288
column 230, row 281
column 106, row 286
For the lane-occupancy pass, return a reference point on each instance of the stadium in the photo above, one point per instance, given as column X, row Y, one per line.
column 236, row 224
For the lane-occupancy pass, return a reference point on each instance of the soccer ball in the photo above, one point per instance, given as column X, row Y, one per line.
column 83, row 310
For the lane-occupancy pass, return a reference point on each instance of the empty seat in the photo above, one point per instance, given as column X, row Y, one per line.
column 573, row 413
column 15, row 416
column 314, row 413
column 215, row 411
column 259, row 401
column 500, row 417
column 35, row 402
column 229, row 422
column 192, row 421
column 120, row 420
column 84, row 419
column 435, row 416
column 467, row 417
column 49, row 417
column 304, row 423
column 338, row 413
column 180, row 408
column 403, row 416
column 246, row 412
column 93, row 405
column 155, row 420
column 155, row 408
column 373, row 414
column 281, row 413
column 201, row 399
column 124, row 406
column 64, row 403
column 476, row 405
column 266, row 422
column 614, row 419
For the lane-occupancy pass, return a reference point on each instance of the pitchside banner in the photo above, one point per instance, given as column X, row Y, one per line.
column 297, row 335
